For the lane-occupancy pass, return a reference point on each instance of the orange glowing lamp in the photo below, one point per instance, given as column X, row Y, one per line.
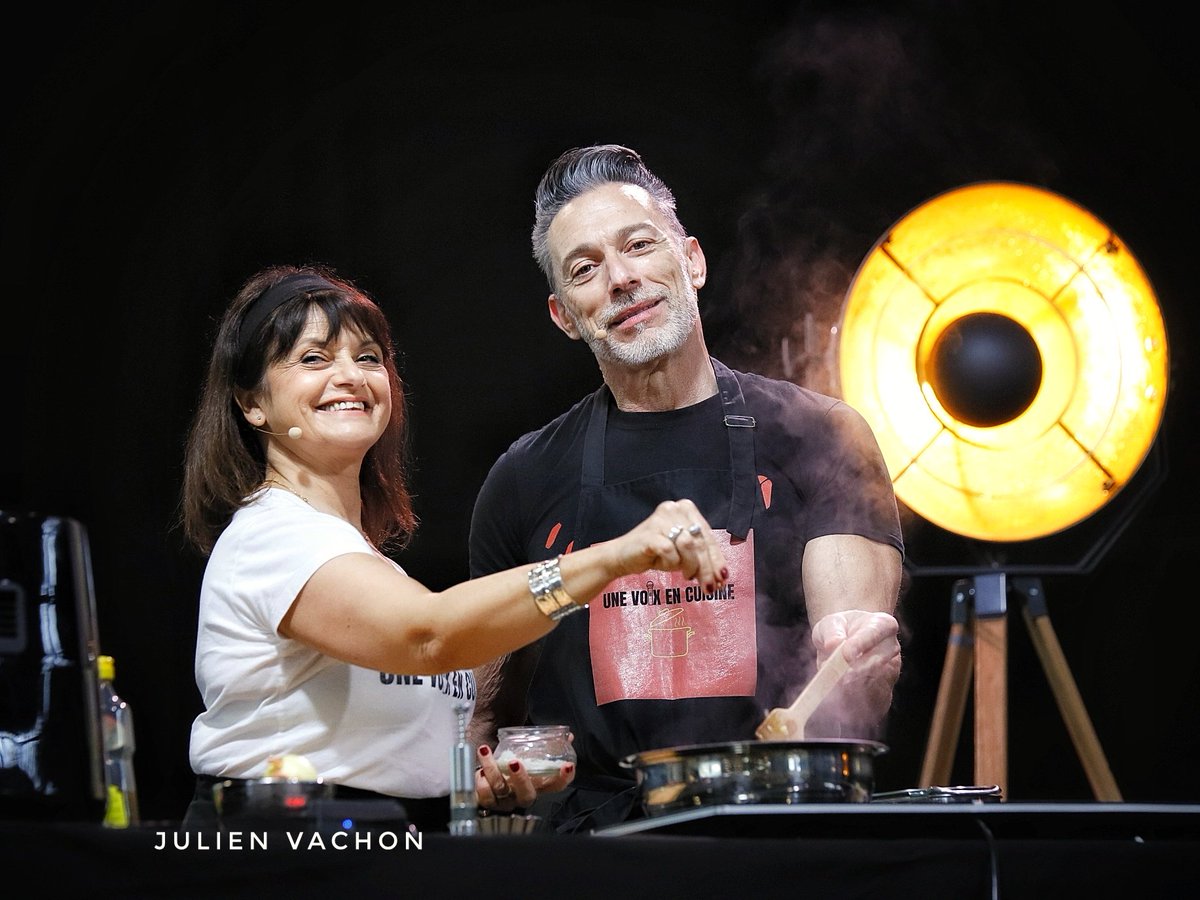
column 1009, row 353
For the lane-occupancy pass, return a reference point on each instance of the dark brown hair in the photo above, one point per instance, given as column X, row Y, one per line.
column 223, row 460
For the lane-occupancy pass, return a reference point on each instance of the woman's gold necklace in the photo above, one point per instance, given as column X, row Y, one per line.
column 287, row 488
column 292, row 490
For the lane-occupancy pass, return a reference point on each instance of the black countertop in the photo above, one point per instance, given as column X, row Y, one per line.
column 813, row 852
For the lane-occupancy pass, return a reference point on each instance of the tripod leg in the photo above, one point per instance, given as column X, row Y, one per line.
column 991, row 680
column 948, row 713
column 991, row 702
column 952, row 693
column 1070, row 703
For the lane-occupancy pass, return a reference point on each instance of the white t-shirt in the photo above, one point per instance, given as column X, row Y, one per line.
column 266, row 695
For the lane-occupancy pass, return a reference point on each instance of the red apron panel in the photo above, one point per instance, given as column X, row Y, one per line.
column 659, row 636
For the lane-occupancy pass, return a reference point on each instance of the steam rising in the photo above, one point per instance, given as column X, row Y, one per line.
column 873, row 116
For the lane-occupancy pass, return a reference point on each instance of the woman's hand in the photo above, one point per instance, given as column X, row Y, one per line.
column 675, row 537
column 506, row 786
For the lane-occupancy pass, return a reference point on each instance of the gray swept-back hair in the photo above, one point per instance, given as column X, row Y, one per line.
column 578, row 171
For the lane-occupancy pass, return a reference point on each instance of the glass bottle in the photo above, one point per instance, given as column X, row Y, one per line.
column 116, row 718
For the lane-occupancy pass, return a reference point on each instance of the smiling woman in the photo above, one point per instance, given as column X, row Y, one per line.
column 283, row 331
column 335, row 383
column 312, row 640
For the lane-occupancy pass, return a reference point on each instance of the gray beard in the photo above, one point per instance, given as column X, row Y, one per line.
column 652, row 343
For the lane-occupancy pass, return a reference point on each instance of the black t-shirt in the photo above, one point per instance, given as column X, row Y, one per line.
column 818, row 471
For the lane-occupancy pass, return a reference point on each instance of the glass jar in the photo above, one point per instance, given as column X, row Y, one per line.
column 542, row 750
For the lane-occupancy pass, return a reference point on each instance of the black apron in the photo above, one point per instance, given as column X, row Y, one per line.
column 563, row 689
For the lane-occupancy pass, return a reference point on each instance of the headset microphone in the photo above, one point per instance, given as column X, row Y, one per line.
column 294, row 432
column 600, row 334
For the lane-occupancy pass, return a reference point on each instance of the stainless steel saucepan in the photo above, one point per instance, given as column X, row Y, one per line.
column 755, row 772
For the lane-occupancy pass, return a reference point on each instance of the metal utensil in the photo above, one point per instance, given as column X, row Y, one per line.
column 269, row 801
column 463, row 803
column 509, row 823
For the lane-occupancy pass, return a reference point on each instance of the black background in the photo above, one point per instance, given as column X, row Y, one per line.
column 153, row 157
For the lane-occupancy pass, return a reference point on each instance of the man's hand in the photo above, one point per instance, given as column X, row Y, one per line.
column 871, row 644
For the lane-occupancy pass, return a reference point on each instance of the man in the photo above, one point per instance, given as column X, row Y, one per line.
column 793, row 482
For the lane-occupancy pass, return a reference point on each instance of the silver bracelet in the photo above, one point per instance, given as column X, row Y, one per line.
column 546, row 585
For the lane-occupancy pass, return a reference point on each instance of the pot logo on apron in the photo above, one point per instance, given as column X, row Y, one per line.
column 659, row 636
column 670, row 634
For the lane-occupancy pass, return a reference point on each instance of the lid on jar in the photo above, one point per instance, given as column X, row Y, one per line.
column 531, row 730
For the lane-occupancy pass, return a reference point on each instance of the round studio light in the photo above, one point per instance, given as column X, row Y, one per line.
column 1009, row 353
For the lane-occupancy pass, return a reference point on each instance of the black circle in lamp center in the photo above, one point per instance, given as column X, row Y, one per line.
column 1009, row 354
column 985, row 369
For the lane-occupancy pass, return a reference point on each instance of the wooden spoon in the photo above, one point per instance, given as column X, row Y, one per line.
column 788, row 724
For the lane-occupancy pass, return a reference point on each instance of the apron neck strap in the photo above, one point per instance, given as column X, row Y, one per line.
column 593, row 441
column 739, row 427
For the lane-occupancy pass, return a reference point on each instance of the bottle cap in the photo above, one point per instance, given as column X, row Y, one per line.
column 107, row 667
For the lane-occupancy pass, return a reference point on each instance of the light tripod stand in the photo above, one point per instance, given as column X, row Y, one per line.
column 1007, row 349
column 979, row 636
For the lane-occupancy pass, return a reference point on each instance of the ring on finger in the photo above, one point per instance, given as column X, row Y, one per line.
column 674, row 533
column 503, row 795
column 694, row 529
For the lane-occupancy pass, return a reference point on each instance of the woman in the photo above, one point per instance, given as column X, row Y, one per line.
column 311, row 640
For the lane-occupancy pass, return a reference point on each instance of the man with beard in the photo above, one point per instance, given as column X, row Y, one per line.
column 791, row 481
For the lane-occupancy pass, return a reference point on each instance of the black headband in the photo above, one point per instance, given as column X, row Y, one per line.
column 274, row 297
